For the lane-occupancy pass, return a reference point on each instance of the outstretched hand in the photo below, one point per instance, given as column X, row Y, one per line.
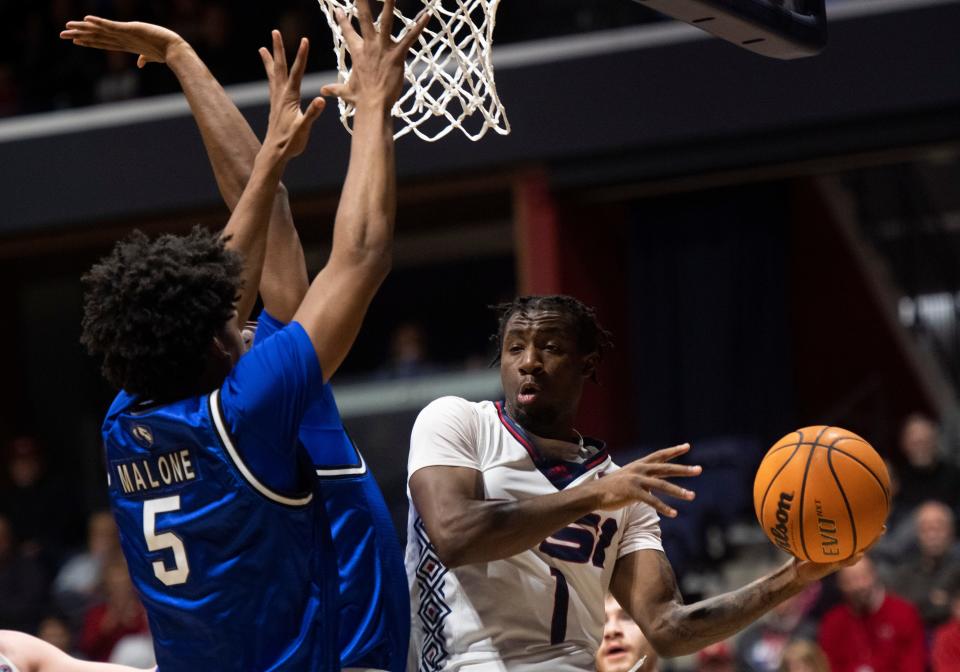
column 289, row 126
column 636, row 481
column 151, row 43
column 376, row 78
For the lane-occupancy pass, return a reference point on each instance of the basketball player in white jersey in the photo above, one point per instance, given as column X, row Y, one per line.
column 20, row 652
column 519, row 525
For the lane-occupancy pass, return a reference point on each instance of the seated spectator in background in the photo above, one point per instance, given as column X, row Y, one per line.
column 873, row 629
column 23, row 587
column 760, row 648
column 925, row 475
column 804, row 656
column 946, row 640
column 408, row 353
column 716, row 658
column 120, row 614
column 925, row 577
column 42, row 510
column 624, row 647
column 78, row 581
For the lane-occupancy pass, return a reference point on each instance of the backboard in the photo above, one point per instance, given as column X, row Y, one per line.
column 782, row 29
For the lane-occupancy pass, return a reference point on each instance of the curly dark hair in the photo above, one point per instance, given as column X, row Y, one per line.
column 591, row 336
column 152, row 306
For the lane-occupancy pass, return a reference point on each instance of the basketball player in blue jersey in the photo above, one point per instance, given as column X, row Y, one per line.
column 373, row 597
column 207, row 475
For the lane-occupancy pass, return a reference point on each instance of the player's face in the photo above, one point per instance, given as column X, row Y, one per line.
column 623, row 642
column 541, row 368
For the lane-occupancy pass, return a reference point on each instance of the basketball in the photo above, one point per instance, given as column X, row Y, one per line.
column 822, row 494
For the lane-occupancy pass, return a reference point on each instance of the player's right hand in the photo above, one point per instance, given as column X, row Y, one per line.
column 637, row 481
column 151, row 43
column 376, row 75
column 289, row 127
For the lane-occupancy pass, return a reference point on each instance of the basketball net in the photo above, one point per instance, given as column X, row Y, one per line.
column 449, row 70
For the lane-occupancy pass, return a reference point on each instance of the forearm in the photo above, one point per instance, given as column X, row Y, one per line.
column 232, row 148
column 482, row 531
column 247, row 228
column 230, row 142
column 685, row 629
column 367, row 209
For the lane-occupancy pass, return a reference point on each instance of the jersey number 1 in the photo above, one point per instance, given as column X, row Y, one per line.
column 165, row 541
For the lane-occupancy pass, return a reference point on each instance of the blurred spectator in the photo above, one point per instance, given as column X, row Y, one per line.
column 22, row 584
column 39, row 507
column 134, row 651
column 946, row 641
column 624, row 648
column 925, row 474
column 119, row 82
column 873, row 630
column 761, row 646
column 119, row 615
column 804, row 656
column 55, row 630
column 716, row 658
column 408, row 353
column 77, row 583
column 924, row 577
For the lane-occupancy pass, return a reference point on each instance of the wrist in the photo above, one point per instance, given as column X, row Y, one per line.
column 374, row 108
column 177, row 51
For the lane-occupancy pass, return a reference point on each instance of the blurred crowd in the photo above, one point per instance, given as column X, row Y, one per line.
column 39, row 72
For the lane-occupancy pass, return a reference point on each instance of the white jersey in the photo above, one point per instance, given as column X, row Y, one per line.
column 541, row 609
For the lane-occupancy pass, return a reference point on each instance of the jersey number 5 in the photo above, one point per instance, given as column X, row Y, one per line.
column 165, row 541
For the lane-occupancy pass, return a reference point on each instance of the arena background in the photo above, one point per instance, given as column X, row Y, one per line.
column 773, row 243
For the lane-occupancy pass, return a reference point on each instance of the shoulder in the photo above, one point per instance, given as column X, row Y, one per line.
column 450, row 411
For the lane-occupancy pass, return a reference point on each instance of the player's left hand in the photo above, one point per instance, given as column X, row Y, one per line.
column 151, row 43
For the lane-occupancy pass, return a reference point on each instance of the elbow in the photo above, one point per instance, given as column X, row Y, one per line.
column 451, row 552
column 373, row 261
column 668, row 639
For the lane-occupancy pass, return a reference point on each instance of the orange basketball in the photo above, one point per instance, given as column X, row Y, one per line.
column 822, row 494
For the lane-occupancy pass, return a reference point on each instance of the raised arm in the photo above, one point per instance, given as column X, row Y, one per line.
column 360, row 258
column 31, row 654
column 465, row 528
column 230, row 143
column 644, row 584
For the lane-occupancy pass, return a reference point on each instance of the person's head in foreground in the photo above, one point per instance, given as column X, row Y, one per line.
column 160, row 313
column 804, row 656
column 623, row 644
column 860, row 586
column 548, row 347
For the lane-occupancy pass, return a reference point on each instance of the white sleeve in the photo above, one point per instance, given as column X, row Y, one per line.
column 641, row 530
column 445, row 435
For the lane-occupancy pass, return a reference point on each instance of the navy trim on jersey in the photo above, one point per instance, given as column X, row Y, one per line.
column 559, row 472
column 219, row 423
column 433, row 609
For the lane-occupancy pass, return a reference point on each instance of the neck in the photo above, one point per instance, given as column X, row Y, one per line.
column 559, row 428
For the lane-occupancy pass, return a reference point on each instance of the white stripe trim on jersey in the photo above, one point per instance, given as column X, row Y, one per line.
column 241, row 466
column 346, row 471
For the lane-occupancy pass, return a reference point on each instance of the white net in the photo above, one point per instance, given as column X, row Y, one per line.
column 449, row 70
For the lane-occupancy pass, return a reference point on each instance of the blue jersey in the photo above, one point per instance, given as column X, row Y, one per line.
column 374, row 600
column 229, row 566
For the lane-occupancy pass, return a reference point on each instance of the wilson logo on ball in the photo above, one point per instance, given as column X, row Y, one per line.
column 779, row 532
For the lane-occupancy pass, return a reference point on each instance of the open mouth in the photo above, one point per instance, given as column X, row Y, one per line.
column 527, row 393
column 615, row 651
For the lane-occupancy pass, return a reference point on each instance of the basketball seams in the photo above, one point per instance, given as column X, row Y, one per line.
column 803, row 489
column 886, row 495
column 846, row 502
column 763, row 502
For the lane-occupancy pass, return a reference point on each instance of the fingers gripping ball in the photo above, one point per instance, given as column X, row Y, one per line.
column 822, row 494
